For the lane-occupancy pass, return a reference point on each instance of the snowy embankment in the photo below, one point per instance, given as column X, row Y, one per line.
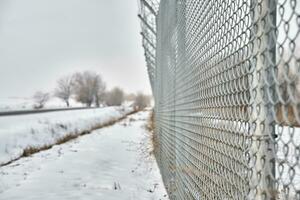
column 18, row 133
column 112, row 163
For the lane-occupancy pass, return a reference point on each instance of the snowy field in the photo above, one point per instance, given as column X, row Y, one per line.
column 37, row 130
column 112, row 163
column 18, row 103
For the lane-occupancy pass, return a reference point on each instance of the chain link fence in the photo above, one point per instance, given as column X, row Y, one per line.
column 226, row 80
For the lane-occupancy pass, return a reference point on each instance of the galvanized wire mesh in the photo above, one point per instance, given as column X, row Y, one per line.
column 226, row 80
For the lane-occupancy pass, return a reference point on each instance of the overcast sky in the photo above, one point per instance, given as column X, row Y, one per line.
column 41, row 40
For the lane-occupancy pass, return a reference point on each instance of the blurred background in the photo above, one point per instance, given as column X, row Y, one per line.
column 42, row 41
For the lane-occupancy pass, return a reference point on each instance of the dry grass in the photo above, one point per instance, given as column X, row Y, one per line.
column 32, row 150
column 287, row 115
column 151, row 128
column 151, row 124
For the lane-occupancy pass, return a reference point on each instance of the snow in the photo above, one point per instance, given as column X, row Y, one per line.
column 20, row 103
column 112, row 163
column 36, row 130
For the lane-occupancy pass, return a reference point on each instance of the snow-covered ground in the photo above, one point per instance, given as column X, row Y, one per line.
column 112, row 163
column 36, row 130
column 19, row 103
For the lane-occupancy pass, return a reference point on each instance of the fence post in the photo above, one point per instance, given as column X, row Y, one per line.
column 262, row 150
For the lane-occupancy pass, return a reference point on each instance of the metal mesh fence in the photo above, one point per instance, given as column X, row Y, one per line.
column 226, row 80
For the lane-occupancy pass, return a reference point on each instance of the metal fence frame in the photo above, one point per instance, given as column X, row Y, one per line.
column 225, row 76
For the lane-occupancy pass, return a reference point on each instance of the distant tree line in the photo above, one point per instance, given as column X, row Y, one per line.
column 89, row 89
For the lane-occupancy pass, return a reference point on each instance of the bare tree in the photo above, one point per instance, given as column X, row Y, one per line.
column 64, row 89
column 130, row 97
column 89, row 87
column 99, row 90
column 83, row 83
column 40, row 99
column 141, row 101
column 115, row 97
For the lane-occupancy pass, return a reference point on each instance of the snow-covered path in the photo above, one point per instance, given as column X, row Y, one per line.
column 110, row 164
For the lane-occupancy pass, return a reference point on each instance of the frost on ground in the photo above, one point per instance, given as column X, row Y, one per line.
column 112, row 163
column 36, row 130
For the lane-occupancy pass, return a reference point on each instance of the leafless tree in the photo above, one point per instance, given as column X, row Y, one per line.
column 141, row 101
column 130, row 97
column 40, row 99
column 64, row 89
column 99, row 90
column 83, row 83
column 88, row 87
column 115, row 97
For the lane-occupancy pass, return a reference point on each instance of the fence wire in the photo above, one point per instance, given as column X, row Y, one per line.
column 225, row 76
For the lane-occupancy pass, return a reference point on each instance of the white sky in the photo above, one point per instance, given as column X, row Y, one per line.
column 41, row 40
